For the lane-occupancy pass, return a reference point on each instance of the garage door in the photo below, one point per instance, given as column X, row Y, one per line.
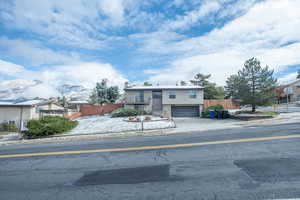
column 185, row 111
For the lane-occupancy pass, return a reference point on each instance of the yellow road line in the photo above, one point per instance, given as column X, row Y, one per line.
column 151, row 147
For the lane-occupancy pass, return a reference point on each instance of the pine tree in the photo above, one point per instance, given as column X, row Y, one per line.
column 252, row 85
column 103, row 94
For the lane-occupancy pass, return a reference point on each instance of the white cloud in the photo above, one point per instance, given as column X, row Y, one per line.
column 183, row 22
column 288, row 78
column 11, row 69
column 34, row 53
column 264, row 32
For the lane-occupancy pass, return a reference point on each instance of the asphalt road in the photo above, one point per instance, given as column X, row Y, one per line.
column 267, row 169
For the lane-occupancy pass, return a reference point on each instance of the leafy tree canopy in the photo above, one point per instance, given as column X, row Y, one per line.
column 211, row 90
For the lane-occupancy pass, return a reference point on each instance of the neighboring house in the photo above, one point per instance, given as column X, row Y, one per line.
column 20, row 112
column 294, row 89
column 50, row 108
column 168, row 101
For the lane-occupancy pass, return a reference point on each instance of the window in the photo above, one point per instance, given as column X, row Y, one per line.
column 172, row 94
column 193, row 94
column 139, row 98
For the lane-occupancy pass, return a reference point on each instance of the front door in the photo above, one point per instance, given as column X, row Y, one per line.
column 156, row 102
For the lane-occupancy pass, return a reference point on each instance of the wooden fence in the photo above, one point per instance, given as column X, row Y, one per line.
column 99, row 109
column 86, row 110
column 226, row 103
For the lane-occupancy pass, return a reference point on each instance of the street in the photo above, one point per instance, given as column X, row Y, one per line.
column 258, row 162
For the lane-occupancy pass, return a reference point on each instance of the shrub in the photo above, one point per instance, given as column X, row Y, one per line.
column 49, row 125
column 9, row 127
column 125, row 112
column 216, row 107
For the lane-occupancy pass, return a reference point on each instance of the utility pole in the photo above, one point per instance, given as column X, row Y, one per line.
column 21, row 119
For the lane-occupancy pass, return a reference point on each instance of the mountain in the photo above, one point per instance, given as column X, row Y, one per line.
column 16, row 89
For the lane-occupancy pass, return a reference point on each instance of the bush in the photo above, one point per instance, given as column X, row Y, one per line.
column 125, row 112
column 216, row 107
column 9, row 127
column 49, row 125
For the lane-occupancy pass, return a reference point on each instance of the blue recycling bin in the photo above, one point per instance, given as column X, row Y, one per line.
column 212, row 114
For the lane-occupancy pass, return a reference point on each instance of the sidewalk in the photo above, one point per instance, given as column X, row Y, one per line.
column 183, row 125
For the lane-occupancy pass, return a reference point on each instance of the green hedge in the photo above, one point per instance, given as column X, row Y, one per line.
column 9, row 127
column 125, row 112
column 49, row 125
column 216, row 107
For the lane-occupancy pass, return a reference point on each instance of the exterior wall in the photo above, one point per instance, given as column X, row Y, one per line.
column 130, row 96
column 127, row 106
column 296, row 91
column 182, row 97
column 50, row 106
column 166, row 111
column 12, row 113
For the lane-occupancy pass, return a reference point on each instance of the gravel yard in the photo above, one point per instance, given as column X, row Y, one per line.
column 106, row 124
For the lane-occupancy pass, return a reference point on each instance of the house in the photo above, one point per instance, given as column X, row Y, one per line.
column 168, row 101
column 50, row 108
column 295, row 90
column 19, row 112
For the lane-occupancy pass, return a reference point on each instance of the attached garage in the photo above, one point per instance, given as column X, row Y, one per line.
column 185, row 111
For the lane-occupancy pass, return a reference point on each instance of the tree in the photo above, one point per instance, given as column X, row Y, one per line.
column 252, row 85
column 211, row 90
column 147, row 83
column 183, row 83
column 103, row 94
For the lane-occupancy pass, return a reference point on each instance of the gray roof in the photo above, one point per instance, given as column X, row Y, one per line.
column 165, row 87
column 22, row 103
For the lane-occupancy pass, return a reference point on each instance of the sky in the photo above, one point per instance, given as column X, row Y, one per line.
column 163, row 42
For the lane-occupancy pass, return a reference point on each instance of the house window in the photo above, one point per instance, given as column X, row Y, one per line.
column 172, row 94
column 193, row 94
column 139, row 98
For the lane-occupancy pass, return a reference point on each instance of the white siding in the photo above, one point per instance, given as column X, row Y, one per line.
column 182, row 97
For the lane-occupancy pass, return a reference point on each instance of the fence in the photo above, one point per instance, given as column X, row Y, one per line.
column 99, row 109
column 226, row 103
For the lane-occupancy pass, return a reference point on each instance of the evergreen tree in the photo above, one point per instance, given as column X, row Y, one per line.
column 211, row 90
column 103, row 94
column 252, row 85
column 147, row 83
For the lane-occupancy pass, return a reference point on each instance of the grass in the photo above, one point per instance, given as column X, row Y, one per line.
column 259, row 113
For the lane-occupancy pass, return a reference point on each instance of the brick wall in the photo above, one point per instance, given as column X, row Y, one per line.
column 226, row 103
column 98, row 109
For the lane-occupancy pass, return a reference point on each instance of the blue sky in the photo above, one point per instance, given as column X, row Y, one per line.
column 81, row 42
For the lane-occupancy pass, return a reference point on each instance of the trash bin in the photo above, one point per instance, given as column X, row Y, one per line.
column 225, row 114
column 220, row 114
column 212, row 114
